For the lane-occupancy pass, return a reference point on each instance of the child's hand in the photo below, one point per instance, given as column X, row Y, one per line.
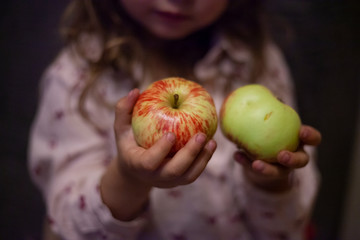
column 277, row 177
column 129, row 178
column 151, row 166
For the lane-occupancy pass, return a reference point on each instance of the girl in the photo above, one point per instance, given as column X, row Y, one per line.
column 96, row 181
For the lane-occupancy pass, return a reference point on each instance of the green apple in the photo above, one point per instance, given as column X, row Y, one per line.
column 173, row 105
column 259, row 123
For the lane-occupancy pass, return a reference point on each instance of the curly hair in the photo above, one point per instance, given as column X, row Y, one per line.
column 122, row 45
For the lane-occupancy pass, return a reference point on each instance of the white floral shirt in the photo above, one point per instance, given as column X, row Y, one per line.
column 67, row 158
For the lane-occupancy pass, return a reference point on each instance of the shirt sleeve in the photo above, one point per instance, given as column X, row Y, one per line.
column 68, row 156
column 281, row 216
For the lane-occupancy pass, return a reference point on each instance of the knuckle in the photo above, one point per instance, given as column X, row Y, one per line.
column 206, row 155
column 193, row 151
column 194, row 173
column 304, row 161
column 190, row 179
column 129, row 159
column 148, row 166
column 129, row 164
column 301, row 161
column 118, row 106
column 272, row 171
column 172, row 174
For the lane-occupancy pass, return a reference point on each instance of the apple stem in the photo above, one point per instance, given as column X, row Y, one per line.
column 176, row 100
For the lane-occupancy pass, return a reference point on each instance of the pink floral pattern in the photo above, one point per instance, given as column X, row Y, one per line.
column 68, row 157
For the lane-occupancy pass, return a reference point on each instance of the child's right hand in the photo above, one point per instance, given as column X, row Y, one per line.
column 151, row 166
column 129, row 178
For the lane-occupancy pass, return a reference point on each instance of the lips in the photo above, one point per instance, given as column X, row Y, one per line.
column 172, row 16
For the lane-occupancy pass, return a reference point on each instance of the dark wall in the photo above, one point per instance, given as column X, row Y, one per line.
column 322, row 51
column 28, row 42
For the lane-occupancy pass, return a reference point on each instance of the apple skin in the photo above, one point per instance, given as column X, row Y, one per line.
column 155, row 113
column 259, row 123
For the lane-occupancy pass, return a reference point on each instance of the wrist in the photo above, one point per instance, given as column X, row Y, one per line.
column 125, row 196
column 271, row 185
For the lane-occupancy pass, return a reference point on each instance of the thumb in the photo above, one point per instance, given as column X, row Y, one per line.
column 124, row 108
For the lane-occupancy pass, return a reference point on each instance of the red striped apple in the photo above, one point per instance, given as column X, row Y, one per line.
column 173, row 105
column 254, row 119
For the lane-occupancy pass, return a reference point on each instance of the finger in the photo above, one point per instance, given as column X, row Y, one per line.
column 267, row 169
column 310, row 135
column 151, row 159
column 124, row 109
column 183, row 158
column 293, row 160
column 199, row 165
column 242, row 158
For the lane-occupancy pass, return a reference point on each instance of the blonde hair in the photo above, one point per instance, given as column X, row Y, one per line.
column 122, row 47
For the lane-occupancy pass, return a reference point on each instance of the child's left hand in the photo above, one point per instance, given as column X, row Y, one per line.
column 278, row 177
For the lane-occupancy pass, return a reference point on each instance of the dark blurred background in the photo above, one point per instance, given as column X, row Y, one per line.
column 320, row 40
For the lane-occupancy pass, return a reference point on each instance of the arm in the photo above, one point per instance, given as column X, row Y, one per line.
column 280, row 197
column 68, row 156
column 86, row 197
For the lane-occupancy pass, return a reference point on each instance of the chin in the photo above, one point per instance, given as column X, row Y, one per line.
column 167, row 36
column 171, row 34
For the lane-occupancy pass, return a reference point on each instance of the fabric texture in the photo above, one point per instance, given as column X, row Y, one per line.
column 68, row 156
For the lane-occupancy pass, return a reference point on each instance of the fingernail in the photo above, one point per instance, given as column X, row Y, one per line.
column 285, row 158
column 131, row 95
column 200, row 138
column 259, row 166
column 211, row 146
column 304, row 134
column 170, row 137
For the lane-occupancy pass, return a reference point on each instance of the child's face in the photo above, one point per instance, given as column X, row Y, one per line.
column 174, row 19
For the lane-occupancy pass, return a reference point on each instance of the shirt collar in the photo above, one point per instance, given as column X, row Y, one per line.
column 223, row 59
